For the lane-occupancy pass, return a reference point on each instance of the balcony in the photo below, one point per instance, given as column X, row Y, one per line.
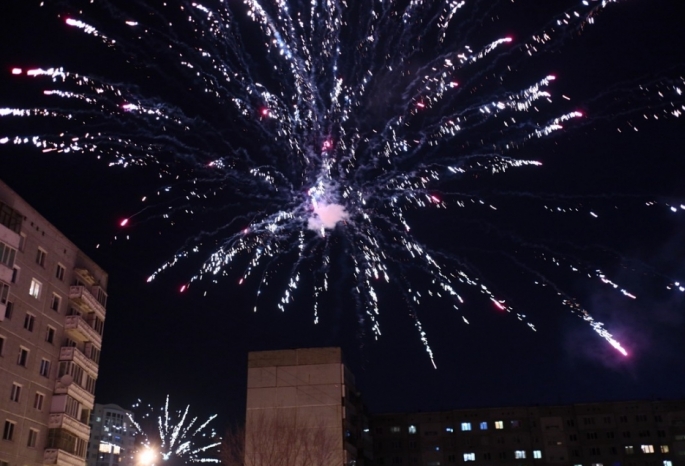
column 78, row 330
column 63, row 421
column 61, row 458
column 75, row 391
column 81, row 296
column 68, row 353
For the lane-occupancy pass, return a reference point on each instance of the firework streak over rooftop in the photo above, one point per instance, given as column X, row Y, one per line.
column 330, row 123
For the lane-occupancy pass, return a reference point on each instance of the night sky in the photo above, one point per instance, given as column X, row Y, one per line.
column 194, row 345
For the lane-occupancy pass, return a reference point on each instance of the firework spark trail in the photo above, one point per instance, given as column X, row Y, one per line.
column 179, row 436
column 350, row 105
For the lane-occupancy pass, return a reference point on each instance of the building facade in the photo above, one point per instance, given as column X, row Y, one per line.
column 640, row 433
column 313, row 390
column 112, row 436
column 52, row 313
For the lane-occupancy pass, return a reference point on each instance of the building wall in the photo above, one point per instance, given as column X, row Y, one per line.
column 112, row 436
column 310, row 387
column 34, row 320
column 608, row 434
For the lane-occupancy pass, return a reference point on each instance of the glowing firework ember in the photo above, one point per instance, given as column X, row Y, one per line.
column 178, row 435
column 355, row 115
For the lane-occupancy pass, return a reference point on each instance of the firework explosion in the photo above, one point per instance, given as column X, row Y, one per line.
column 179, row 436
column 351, row 117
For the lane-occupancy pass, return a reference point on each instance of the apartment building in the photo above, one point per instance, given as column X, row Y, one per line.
column 52, row 313
column 112, row 436
column 313, row 391
column 636, row 433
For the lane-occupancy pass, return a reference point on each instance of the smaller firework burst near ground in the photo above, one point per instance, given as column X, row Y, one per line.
column 180, row 437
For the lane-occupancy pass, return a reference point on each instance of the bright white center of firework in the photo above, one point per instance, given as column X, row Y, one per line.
column 326, row 212
column 326, row 216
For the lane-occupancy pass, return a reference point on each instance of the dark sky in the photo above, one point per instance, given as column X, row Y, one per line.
column 194, row 345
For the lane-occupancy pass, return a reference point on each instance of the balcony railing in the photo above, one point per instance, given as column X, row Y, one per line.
column 79, row 330
column 69, row 353
column 83, row 297
column 77, row 392
column 63, row 421
column 61, row 458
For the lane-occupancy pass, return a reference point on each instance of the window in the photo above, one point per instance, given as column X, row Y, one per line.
column 8, row 431
column 573, row 437
column 7, row 254
column 623, row 418
column 520, row 454
column 44, row 368
column 15, row 273
column 9, row 310
column 395, row 429
column 50, row 334
column 15, row 394
column 647, row 448
column 537, row 454
column 2, row 345
column 35, row 288
column 29, row 322
column 23, row 357
column 469, row 457
column 38, row 401
column 641, row 417
column 59, row 272
column 610, row 435
column 661, row 433
column 668, row 463
column 411, row 429
column 592, row 435
column 465, row 426
column 33, row 438
column 630, row 450
column 596, row 464
column 499, row 425
column 55, row 302
column 607, row 419
column 4, row 293
column 22, row 242
column 483, row 425
column 449, row 429
column 515, row 424
column 40, row 257
column 570, row 422
column 665, row 449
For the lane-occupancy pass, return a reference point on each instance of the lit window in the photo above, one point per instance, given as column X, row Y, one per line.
column 29, row 322
column 412, row 429
column 668, row 463
column 33, row 438
column 35, row 288
column 499, row 424
column 483, row 425
column 23, row 357
column 465, row 426
column 45, row 368
column 8, row 431
column 520, row 454
column 55, row 302
column 59, row 273
column 537, row 454
column 597, row 464
column 665, row 449
column 630, row 450
column 40, row 257
column 449, row 429
column 469, row 457
column 647, row 448
column 395, row 429
column 15, row 394
column 38, row 401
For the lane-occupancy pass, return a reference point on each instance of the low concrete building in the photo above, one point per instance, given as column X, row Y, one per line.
column 312, row 391
column 112, row 436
